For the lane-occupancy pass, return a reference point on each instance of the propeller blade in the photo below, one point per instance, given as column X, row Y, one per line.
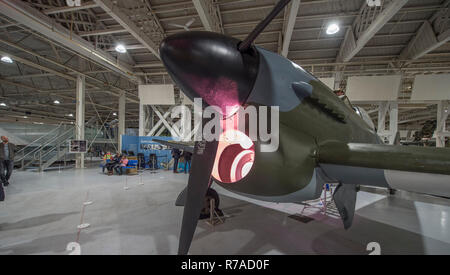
column 245, row 45
column 199, row 179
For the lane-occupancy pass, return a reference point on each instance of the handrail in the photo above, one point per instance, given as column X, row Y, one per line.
column 55, row 147
column 22, row 151
column 53, row 140
column 56, row 138
column 35, row 141
column 51, row 145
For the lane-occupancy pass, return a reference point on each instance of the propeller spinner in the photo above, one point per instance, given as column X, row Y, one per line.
column 209, row 66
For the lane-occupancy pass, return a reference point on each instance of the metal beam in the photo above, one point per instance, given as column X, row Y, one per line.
column 429, row 38
column 121, row 18
column 86, row 5
column 37, row 66
column 208, row 15
column 103, row 32
column 289, row 25
column 39, row 22
column 353, row 45
column 55, row 94
column 149, row 65
column 101, row 84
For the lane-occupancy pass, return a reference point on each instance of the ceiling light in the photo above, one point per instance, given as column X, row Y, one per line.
column 70, row 115
column 333, row 29
column 3, row 104
column 114, row 114
column 25, row 117
column 121, row 48
column 7, row 59
column 56, row 102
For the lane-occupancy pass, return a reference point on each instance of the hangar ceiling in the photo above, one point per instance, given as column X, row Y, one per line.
column 51, row 42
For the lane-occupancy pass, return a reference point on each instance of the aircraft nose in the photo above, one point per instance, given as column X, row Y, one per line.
column 209, row 66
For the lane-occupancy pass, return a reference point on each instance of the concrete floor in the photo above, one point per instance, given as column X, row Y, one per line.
column 42, row 211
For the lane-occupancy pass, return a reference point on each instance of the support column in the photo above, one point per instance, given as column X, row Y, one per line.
column 338, row 77
column 390, row 134
column 393, row 123
column 142, row 113
column 80, row 117
column 441, row 131
column 122, row 111
column 142, row 119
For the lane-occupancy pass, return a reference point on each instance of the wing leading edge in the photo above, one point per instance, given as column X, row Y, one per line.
column 185, row 146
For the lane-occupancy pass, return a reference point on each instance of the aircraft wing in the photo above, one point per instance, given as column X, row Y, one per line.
column 387, row 157
column 417, row 169
column 185, row 146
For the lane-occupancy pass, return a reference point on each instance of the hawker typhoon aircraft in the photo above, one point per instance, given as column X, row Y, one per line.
column 321, row 138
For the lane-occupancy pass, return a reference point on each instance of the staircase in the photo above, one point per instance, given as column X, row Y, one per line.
column 53, row 147
column 45, row 151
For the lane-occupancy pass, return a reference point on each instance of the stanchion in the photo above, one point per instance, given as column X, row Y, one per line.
column 75, row 247
column 141, row 182
column 126, row 183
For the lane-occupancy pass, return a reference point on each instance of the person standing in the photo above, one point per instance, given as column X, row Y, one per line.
column 187, row 161
column 176, row 154
column 7, row 154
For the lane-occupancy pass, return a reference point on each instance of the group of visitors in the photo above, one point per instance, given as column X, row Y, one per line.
column 114, row 163
column 177, row 154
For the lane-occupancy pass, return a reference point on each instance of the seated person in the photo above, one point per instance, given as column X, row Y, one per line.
column 120, row 168
column 106, row 157
column 114, row 162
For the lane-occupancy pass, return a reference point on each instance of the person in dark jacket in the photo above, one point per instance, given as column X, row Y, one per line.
column 113, row 164
column 7, row 154
column 176, row 154
column 187, row 161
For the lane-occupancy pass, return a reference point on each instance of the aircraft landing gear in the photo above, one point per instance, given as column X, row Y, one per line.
column 206, row 211
column 392, row 192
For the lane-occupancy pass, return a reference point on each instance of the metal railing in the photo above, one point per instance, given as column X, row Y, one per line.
column 51, row 147
column 64, row 137
column 40, row 151
column 21, row 153
column 49, row 158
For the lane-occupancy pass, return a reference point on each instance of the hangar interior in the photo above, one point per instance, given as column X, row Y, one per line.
column 72, row 71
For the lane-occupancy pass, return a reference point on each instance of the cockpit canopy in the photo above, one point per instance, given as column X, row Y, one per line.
column 365, row 116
